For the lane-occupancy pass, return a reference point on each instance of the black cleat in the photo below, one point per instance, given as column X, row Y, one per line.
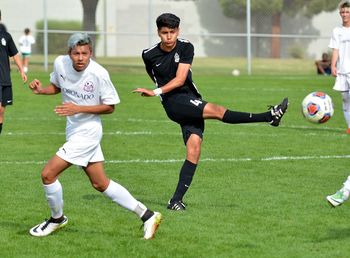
column 278, row 111
column 176, row 205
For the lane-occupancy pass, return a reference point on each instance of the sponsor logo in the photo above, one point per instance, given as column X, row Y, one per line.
column 78, row 94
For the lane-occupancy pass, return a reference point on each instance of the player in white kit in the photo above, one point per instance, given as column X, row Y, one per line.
column 87, row 92
column 340, row 65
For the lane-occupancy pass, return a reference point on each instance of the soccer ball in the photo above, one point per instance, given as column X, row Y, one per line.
column 317, row 107
column 235, row 72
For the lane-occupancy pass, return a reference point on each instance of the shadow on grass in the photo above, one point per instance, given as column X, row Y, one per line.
column 336, row 234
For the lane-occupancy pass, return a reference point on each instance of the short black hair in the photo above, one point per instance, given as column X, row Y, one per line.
column 168, row 20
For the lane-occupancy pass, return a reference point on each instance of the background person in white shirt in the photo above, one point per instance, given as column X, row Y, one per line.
column 25, row 46
column 87, row 92
column 340, row 65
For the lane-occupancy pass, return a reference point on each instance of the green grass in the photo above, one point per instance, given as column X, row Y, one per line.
column 259, row 191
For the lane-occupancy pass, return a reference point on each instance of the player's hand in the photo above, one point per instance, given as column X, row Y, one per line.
column 334, row 71
column 144, row 92
column 36, row 86
column 24, row 77
column 66, row 109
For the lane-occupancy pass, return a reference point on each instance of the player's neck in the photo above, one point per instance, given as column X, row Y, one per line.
column 167, row 48
column 346, row 24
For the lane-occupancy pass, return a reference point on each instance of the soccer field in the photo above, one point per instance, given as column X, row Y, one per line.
column 259, row 191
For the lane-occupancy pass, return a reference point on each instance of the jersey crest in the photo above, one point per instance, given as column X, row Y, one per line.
column 3, row 42
column 176, row 57
column 88, row 86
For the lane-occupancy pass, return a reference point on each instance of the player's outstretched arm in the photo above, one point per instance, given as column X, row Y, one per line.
column 144, row 92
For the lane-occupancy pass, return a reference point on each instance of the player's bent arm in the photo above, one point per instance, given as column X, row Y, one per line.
column 179, row 80
column 37, row 88
column 69, row 109
column 98, row 109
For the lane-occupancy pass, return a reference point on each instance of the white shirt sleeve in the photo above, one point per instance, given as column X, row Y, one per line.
column 108, row 93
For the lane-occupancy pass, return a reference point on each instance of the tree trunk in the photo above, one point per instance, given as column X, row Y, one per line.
column 275, row 41
column 89, row 18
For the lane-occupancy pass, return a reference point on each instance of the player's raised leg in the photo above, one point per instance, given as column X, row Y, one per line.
column 273, row 116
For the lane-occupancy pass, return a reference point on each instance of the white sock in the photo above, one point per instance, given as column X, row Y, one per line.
column 54, row 198
column 346, row 106
column 346, row 187
column 121, row 196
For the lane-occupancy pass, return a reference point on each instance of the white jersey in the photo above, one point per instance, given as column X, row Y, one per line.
column 89, row 87
column 341, row 40
column 25, row 44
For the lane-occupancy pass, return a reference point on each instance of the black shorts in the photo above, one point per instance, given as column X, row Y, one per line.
column 187, row 111
column 5, row 95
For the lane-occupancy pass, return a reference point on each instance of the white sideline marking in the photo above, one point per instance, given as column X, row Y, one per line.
column 281, row 158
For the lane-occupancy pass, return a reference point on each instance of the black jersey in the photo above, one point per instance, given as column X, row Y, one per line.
column 161, row 66
column 7, row 49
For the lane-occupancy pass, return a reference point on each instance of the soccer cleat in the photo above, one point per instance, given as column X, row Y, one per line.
column 176, row 205
column 278, row 111
column 151, row 225
column 337, row 199
column 47, row 227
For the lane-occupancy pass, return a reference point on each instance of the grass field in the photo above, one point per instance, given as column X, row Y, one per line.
column 259, row 191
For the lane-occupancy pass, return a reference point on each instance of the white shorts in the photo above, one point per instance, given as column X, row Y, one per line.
column 80, row 151
column 342, row 82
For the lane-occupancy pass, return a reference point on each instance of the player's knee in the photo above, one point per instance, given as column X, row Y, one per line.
column 193, row 153
column 47, row 177
column 99, row 186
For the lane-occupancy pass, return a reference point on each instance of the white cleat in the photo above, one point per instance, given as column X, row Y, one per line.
column 47, row 227
column 150, row 226
column 337, row 199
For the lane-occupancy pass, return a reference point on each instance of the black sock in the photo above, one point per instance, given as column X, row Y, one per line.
column 233, row 117
column 185, row 179
column 58, row 220
column 0, row 128
column 147, row 215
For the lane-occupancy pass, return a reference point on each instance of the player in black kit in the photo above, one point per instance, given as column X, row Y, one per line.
column 169, row 65
column 7, row 49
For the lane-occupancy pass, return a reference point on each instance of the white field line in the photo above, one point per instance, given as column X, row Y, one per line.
column 226, row 160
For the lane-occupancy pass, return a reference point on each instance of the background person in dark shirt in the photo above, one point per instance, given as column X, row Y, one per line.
column 323, row 66
column 7, row 49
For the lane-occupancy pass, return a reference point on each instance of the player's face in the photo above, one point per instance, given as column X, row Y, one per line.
column 345, row 15
column 80, row 56
column 168, row 37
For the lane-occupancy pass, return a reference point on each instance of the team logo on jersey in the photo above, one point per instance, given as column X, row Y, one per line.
column 3, row 42
column 88, row 86
column 176, row 57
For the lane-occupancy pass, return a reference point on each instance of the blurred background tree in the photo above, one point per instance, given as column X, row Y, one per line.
column 237, row 9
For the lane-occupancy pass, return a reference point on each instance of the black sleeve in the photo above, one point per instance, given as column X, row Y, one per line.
column 148, row 66
column 11, row 47
column 187, row 53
